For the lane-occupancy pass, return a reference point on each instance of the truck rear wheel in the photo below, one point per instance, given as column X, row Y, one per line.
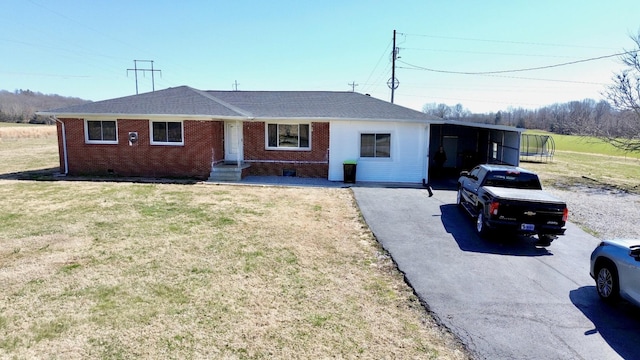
column 481, row 227
column 545, row 239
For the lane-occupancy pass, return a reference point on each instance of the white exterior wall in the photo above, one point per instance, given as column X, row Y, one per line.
column 509, row 141
column 408, row 161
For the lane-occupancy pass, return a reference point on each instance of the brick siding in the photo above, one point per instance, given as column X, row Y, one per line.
column 203, row 145
column 305, row 163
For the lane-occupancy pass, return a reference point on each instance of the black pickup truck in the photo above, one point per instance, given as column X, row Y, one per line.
column 510, row 199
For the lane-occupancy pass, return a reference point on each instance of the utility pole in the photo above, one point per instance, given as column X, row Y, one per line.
column 152, row 70
column 393, row 83
column 353, row 86
column 235, row 85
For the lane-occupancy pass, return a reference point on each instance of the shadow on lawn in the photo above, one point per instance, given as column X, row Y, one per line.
column 53, row 174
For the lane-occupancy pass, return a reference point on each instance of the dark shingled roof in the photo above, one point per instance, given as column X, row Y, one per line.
column 181, row 100
column 315, row 104
column 187, row 101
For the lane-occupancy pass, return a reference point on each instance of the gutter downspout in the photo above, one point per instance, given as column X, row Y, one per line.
column 64, row 145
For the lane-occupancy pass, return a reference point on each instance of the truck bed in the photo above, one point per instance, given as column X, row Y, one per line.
column 523, row 194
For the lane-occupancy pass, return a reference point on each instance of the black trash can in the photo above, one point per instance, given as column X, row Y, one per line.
column 349, row 169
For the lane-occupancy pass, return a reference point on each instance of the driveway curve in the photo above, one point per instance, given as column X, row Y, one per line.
column 505, row 299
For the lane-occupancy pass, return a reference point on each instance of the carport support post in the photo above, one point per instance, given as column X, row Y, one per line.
column 425, row 182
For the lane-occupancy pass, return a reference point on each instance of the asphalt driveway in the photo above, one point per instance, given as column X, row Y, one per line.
column 504, row 299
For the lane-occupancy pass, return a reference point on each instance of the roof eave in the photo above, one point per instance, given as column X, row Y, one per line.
column 325, row 119
column 140, row 116
column 479, row 125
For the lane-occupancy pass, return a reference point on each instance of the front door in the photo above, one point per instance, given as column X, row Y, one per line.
column 233, row 142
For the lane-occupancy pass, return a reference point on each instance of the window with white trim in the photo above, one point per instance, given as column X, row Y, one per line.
column 288, row 136
column 167, row 133
column 101, row 131
column 375, row 145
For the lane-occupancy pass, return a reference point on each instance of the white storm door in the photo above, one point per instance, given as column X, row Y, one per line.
column 233, row 151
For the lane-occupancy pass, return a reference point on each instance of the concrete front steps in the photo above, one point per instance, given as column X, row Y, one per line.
column 227, row 172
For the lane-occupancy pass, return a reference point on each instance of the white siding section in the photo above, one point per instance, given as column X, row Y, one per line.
column 509, row 146
column 408, row 160
column 512, row 147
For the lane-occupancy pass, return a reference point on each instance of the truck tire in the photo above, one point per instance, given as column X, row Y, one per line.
column 545, row 239
column 481, row 227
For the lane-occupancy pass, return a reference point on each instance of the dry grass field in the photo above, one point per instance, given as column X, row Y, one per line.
column 570, row 168
column 27, row 147
column 118, row 270
column 588, row 161
column 11, row 131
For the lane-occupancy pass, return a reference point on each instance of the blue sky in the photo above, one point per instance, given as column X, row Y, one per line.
column 84, row 48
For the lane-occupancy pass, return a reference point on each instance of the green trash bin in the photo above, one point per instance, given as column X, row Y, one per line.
column 349, row 169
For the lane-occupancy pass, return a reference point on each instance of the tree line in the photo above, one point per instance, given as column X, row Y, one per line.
column 20, row 106
column 583, row 117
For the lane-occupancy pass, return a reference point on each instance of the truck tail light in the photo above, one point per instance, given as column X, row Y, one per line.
column 493, row 208
column 565, row 214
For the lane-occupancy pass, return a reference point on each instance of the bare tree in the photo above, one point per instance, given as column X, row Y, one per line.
column 459, row 112
column 440, row 110
column 624, row 95
column 21, row 105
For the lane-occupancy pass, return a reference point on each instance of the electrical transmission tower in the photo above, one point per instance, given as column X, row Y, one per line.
column 136, row 69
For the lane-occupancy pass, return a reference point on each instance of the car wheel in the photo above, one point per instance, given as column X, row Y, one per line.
column 481, row 228
column 607, row 281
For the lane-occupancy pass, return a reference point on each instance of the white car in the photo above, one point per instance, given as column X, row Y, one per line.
column 615, row 266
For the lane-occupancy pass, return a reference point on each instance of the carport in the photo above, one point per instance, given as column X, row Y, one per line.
column 468, row 144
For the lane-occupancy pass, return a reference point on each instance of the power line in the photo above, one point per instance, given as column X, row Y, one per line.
column 381, row 75
column 504, row 41
column 484, row 53
column 384, row 53
column 534, row 79
column 43, row 75
column 462, row 99
column 416, row 67
column 102, row 33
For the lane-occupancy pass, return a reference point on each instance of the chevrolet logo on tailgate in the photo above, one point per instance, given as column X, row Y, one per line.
column 530, row 213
